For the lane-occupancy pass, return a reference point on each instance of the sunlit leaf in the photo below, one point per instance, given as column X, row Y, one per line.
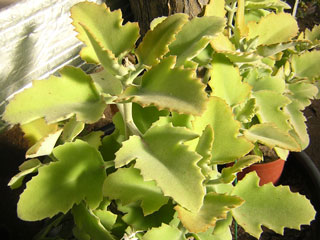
column 106, row 27
column 241, row 28
column 215, row 8
column 268, row 28
column 171, row 169
column 71, row 130
column 314, row 34
column 108, row 82
column 215, row 207
column 204, row 148
column 107, row 218
column 226, row 132
column 310, row 70
column 128, row 185
column 169, row 88
column 164, row 232
column 77, row 175
column 93, row 138
column 226, row 81
column 89, row 223
column 271, row 136
column 195, row 36
column 155, row 42
column 56, row 99
column 246, row 111
column 273, row 207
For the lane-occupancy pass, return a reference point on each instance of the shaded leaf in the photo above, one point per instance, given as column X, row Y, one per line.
column 271, row 136
column 246, row 111
column 108, row 82
column 194, row 37
column 56, row 99
column 172, row 168
column 302, row 92
column 102, row 23
column 107, row 218
column 169, row 88
column 215, row 206
column 155, row 43
column 310, row 70
column 226, row 132
column 71, row 130
column 273, row 207
column 226, row 81
column 93, row 138
column 77, row 175
column 128, row 185
column 89, row 223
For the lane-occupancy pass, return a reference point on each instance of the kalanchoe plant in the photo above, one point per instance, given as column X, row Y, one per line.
column 156, row 176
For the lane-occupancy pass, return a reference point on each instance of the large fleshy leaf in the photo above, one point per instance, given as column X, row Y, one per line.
column 265, row 4
column 227, row 145
column 194, row 37
column 302, row 92
column 174, row 170
column 270, row 105
column 164, row 232
column 271, row 136
column 128, row 185
column 273, row 207
column 215, row 8
column 169, row 88
column 268, row 28
column 106, row 27
column 89, row 223
column 310, row 70
column 215, row 206
column 57, row 98
column 77, row 175
column 226, row 81
column 156, row 41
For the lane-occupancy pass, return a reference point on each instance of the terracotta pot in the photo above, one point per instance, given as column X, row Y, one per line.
column 268, row 172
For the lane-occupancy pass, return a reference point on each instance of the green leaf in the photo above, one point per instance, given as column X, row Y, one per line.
column 108, row 82
column 77, row 175
column 106, row 27
column 226, row 81
column 273, row 207
column 221, row 43
column 302, row 92
column 204, row 149
column 37, row 129
column 310, row 70
column 268, row 28
column 44, row 146
column 265, row 4
column 172, row 168
column 155, row 43
column 271, row 136
column 228, row 174
column 128, row 185
column 314, row 35
column 246, row 111
column 227, row 145
column 175, row 89
column 89, row 223
column 93, row 138
column 273, row 49
column 28, row 167
column 110, row 145
column 107, row 218
column 215, row 206
column 215, row 8
column 135, row 218
column 143, row 117
column 71, row 130
column 270, row 105
column 164, row 232
column 56, row 99
column 194, row 37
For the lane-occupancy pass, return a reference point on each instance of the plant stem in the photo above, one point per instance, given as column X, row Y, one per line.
column 231, row 13
column 130, row 128
column 295, row 8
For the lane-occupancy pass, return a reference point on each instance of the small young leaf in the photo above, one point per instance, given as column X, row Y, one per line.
column 273, row 207
column 164, row 232
column 204, row 148
column 268, row 28
column 169, row 88
column 102, row 23
column 155, row 43
column 314, row 35
column 271, row 136
column 226, row 81
column 128, row 185
column 246, row 111
column 215, row 206
column 227, row 145
column 56, row 99
column 89, row 223
column 174, row 170
column 77, row 175
column 107, row 218
column 71, row 129
column 194, row 37
column 108, row 82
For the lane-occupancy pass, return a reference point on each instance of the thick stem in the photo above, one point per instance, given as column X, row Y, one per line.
column 125, row 110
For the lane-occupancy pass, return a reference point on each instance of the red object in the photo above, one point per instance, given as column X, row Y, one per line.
column 268, row 172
